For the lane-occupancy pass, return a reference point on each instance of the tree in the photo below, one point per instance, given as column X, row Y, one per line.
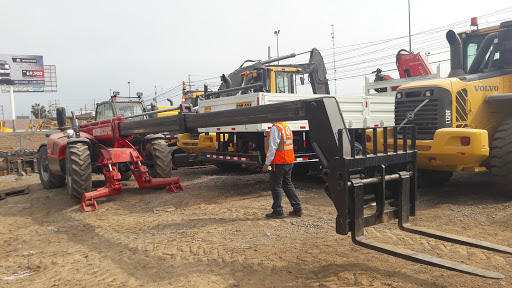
column 39, row 111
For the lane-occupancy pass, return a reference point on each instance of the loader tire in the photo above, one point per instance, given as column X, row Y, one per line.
column 433, row 178
column 78, row 169
column 160, row 156
column 501, row 158
column 49, row 179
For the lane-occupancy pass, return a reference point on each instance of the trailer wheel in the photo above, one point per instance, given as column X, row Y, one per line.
column 48, row 179
column 78, row 169
column 160, row 156
column 433, row 178
column 228, row 166
column 501, row 158
column 300, row 171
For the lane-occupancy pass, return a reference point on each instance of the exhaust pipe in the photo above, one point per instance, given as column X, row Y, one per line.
column 455, row 54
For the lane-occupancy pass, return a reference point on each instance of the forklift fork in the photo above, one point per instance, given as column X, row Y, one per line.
column 347, row 184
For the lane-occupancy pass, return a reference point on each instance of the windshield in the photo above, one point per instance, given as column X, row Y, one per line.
column 470, row 47
column 130, row 108
column 285, row 82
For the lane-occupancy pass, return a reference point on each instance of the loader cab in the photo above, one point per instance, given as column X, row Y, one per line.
column 491, row 41
column 472, row 41
column 120, row 106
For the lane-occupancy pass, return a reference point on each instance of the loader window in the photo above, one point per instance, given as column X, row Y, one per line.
column 470, row 47
column 285, row 82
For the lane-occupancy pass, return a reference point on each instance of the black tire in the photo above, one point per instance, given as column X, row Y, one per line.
column 160, row 157
column 501, row 158
column 126, row 175
column 78, row 169
column 49, row 179
column 433, row 178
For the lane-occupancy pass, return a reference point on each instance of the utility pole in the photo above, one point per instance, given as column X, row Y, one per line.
column 129, row 92
column 409, row 8
column 277, row 37
column 3, row 118
column 334, row 55
column 154, row 99
column 189, row 86
column 269, row 53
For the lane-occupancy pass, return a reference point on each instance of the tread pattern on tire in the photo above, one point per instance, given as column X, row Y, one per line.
column 161, row 156
column 79, row 161
column 54, row 180
column 501, row 158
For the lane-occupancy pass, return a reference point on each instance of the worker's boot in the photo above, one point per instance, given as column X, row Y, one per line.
column 296, row 213
column 275, row 214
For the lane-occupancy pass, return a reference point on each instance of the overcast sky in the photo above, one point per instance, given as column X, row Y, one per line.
column 101, row 45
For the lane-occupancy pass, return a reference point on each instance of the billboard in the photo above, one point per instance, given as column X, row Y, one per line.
column 50, row 83
column 21, row 70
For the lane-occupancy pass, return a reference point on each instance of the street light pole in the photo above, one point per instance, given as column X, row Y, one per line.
column 409, row 8
column 277, row 37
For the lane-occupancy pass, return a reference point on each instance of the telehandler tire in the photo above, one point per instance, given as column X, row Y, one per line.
column 78, row 169
column 501, row 158
column 126, row 175
column 49, row 179
column 160, row 155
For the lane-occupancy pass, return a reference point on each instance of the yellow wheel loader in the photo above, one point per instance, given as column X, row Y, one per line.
column 464, row 122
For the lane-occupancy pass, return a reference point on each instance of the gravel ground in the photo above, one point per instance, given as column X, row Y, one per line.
column 214, row 234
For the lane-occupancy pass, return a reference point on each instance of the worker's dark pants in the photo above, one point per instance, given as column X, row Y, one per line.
column 281, row 179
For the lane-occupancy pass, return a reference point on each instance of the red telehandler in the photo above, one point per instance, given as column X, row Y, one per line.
column 73, row 155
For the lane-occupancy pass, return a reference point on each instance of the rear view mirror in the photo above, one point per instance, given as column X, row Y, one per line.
column 301, row 80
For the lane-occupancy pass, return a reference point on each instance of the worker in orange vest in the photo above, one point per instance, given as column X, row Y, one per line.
column 281, row 157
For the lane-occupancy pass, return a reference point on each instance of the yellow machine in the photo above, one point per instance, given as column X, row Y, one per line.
column 274, row 75
column 464, row 122
column 3, row 129
column 203, row 142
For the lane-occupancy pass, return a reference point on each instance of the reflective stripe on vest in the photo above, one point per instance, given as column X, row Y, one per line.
column 284, row 153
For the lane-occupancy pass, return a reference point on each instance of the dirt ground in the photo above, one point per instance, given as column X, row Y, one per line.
column 214, row 234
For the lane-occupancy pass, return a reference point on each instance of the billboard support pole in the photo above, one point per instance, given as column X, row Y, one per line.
column 13, row 113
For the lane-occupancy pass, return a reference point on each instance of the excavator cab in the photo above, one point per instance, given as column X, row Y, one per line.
column 275, row 79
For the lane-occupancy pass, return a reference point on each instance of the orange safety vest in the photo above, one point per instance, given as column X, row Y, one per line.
column 284, row 153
